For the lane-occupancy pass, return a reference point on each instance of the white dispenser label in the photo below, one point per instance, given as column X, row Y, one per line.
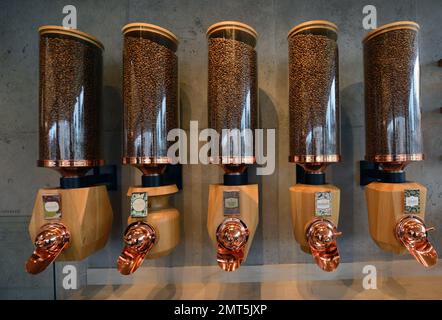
column 51, row 206
column 412, row 201
column 323, row 204
column 231, row 202
column 139, row 204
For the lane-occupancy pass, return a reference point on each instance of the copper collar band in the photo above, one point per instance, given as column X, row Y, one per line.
column 146, row 160
column 315, row 158
column 233, row 160
column 395, row 157
column 69, row 163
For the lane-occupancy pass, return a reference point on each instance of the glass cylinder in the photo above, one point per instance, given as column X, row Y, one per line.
column 150, row 89
column 232, row 90
column 392, row 110
column 314, row 94
column 71, row 68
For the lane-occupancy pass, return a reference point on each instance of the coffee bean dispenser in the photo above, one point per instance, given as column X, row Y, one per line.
column 73, row 221
column 233, row 105
column 150, row 89
column 314, row 138
column 396, row 207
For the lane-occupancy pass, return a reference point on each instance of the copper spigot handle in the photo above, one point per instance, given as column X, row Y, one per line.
column 337, row 234
column 321, row 236
column 139, row 238
column 232, row 236
column 413, row 235
column 51, row 240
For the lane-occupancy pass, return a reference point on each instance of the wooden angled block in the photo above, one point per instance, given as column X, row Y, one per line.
column 385, row 204
column 87, row 214
column 249, row 210
column 303, row 208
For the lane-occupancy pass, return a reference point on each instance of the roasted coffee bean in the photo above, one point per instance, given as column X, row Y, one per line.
column 232, row 91
column 70, row 98
column 313, row 96
column 150, row 75
column 392, row 111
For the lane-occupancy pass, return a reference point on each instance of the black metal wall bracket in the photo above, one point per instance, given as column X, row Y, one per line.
column 304, row 177
column 371, row 172
column 173, row 174
column 236, row 179
column 104, row 175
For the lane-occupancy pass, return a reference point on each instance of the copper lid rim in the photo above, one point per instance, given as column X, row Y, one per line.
column 313, row 24
column 52, row 29
column 142, row 26
column 146, row 160
column 232, row 24
column 398, row 25
column 333, row 158
column 69, row 163
column 396, row 157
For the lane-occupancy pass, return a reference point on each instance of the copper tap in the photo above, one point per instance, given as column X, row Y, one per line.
column 139, row 238
column 413, row 235
column 52, row 239
column 232, row 235
column 321, row 237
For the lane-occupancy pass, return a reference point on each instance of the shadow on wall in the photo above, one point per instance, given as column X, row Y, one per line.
column 112, row 119
column 177, row 257
column 344, row 174
column 270, row 121
column 353, row 219
column 196, row 195
column 185, row 107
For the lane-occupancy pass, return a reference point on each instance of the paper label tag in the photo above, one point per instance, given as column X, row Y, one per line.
column 231, row 202
column 322, row 204
column 412, row 201
column 51, row 206
column 138, row 204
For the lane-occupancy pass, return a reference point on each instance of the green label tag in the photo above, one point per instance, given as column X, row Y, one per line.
column 138, row 204
column 52, row 206
column 323, row 204
column 231, row 202
column 412, row 201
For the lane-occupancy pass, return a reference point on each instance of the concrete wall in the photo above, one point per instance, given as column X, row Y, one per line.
column 189, row 20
